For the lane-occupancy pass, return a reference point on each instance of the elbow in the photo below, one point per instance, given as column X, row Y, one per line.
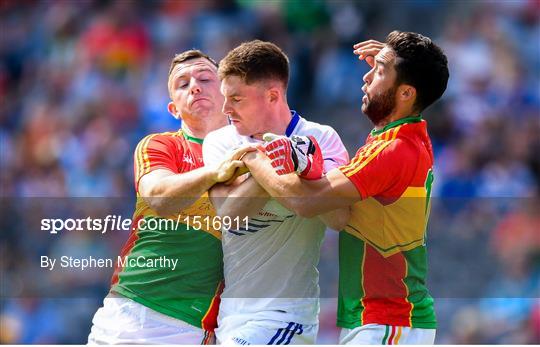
column 161, row 206
column 343, row 219
column 155, row 200
column 338, row 224
column 338, row 219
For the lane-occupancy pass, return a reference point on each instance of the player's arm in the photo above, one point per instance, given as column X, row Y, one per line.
column 244, row 197
column 336, row 219
column 167, row 192
column 306, row 198
column 308, row 158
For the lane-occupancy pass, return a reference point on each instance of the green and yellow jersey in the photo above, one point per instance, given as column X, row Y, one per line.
column 190, row 291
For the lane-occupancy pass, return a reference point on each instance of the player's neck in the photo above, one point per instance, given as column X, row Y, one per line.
column 394, row 116
column 202, row 128
column 281, row 120
column 278, row 123
column 195, row 130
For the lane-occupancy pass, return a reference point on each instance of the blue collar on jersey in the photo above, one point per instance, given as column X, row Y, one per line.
column 294, row 120
column 292, row 124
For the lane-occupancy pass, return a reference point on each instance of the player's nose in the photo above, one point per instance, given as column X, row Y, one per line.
column 226, row 109
column 367, row 77
column 195, row 87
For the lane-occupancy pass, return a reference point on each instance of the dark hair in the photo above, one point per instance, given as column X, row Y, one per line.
column 420, row 63
column 256, row 61
column 188, row 55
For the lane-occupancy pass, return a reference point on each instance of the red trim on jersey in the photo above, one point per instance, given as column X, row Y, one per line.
column 130, row 243
column 209, row 321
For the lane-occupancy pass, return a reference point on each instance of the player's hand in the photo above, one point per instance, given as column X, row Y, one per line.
column 233, row 166
column 300, row 154
column 239, row 172
column 226, row 169
column 368, row 50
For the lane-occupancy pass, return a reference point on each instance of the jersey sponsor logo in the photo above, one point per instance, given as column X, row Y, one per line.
column 188, row 159
column 266, row 214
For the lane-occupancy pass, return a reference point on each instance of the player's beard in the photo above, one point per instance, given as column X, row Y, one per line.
column 379, row 107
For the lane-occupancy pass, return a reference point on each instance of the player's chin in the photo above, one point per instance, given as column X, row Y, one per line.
column 204, row 113
column 364, row 106
column 240, row 129
column 202, row 108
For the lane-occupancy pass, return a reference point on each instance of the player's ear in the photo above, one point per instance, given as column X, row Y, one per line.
column 406, row 93
column 171, row 107
column 273, row 95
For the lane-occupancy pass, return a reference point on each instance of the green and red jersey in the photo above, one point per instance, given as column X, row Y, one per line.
column 190, row 292
column 383, row 261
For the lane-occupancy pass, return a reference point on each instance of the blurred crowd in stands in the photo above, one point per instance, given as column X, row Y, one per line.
column 81, row 82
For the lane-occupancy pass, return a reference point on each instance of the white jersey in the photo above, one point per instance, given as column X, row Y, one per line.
column 271, row 269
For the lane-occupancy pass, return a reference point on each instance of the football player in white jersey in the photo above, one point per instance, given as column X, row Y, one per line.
column 270, row 265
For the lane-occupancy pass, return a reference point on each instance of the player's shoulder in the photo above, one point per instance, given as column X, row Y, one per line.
column 163, row 138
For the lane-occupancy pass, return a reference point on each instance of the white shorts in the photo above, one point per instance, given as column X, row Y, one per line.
column 124, row 321
column 377, row 334
column 266, row 332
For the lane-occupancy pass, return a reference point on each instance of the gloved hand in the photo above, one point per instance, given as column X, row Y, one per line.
column 300, row 154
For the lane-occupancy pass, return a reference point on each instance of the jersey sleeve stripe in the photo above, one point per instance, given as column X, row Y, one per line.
column 146, row 158
column 138, row 156
column 373, row 151
column 362, row 156
column 358, row 157
column 368, row 159
column 395, row 132
column 142, row 156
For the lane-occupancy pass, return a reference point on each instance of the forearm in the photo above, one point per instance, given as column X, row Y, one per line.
column 289, row 190
column 174, row 192
column 307, row 198
column 239, row 200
